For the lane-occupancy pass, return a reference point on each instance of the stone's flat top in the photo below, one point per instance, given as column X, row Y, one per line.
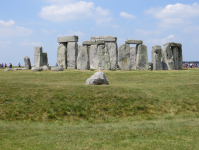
column 133, row 41
column 93, row 42
column 104, row 38
column 157, row 46
column 173, row 44
column 26, row 57
column 38, row 47
column 63, row 39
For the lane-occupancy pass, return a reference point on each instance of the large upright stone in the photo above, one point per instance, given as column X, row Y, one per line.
column 142, row 62
column 72, row 52
column 124, row 61
column 133, row 57
column 93, row 56
column 113, row 52
column 38, row 56
column 83, row 58
column 62, row 55
column 45, row 59
column 27, row 62
column 103, row 58
column 156, row 58
column 65, row 39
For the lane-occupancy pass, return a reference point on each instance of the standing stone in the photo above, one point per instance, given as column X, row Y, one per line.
column 103, row 58
column 180, row 59
column 62, row 55
column 38, row 56
column 45, row 59
column 27, row 62
column 93, row 57
column 113, row 51
column 83, row 59
column 142, row 62
column 175, row 57
column 156, row 58
column 133, row 57
column 124, row 61
column 72, row 52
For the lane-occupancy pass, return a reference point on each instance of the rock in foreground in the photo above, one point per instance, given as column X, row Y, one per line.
column 98, row 78
column 57, row 69
column 36, row 69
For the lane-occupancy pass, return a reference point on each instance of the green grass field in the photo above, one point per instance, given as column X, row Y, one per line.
column 138, row 110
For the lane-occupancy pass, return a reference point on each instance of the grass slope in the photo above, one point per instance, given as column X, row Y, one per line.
column 49, row 96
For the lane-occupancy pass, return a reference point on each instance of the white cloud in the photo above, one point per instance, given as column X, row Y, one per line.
column 144, row 32
column 126, row 15
column 4, row 44
column 78, row 33
column 190, row 29
column 30, row 43
column 73, row 11
column 171, row 37
column 116, row 26
column 48, row 31
column 9, row 29
column 160, row 41
column 173, row 15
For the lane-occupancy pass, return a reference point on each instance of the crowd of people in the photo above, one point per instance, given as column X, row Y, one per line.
column 2, row 65
column 191, row 65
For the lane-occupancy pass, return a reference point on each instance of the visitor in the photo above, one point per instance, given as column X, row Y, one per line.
column 191, row 65
column 5, row 65
column 19, row 65
column 10, row 65
column 56, row 64
column 2, row 65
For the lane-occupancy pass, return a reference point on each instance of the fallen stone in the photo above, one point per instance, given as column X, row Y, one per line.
column 62, row 55
column 133, row 41
column 9, row 69
column 156, row 58
column 36, row 69
column 103, row 58
column 104, row 38
column 46, row 67
column 67, row 39
column 19, row 69
column 38, row 56
column 124, row 57
column 142, row 62
column 98, row 78
column 72, row 52
column 133, row 57
column 93, row 57
column 27, row 62
column 57, row 69
column 83, row 58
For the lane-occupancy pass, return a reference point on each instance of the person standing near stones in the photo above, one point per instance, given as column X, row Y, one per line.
column 19, row 65
column 2, row 65
column 56, row 64
column 5, row 65
column 10, row 65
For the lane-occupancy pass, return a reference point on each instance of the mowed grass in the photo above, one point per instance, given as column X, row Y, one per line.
column 138, row 110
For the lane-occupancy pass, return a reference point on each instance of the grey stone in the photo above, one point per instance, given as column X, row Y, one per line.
column 46, row 67
column 9, row 69
column 124, row 61
column 67, row 39
column 142, row 62
column 156, row 58
column 38, row 56
column 113, row 52
column 57, row 69
column 27, row 62
column 98, row 78
column 103, row 58
column 93, row 57
column 18, row 68
column 45, row 59
column 72, row 52
column 93, row 42
column 133, row 57
column 36, row 69
column 104, row 38
column 62, row 55
column 133, row 42
column 83, row 58
column 172, row 56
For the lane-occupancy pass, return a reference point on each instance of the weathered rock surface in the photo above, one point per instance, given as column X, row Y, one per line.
column 104, row 38
column 67, row 39
column 98, row 78
column 38, row 56
column 45, row 59
column 57, row 69
column 133, row 41
column 9, row 69
column 83, row 58
column 103, row 58
column 36, row 69
column 156, row 58
column 93, row 42
column 113, row 52
column 62, row 55
column 142, row 62
column 72, row 52
column 133, row 57
column 124, row 57
column 93, row 57
column 46, row 67
column 27, row 62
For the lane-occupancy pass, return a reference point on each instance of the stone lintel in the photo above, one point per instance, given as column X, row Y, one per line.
column 104, row 38
column 67, row 39
column 133, row 41
column 173, row 44
column 88, row 43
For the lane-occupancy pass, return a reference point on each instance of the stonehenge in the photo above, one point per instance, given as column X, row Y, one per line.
column 102, row 53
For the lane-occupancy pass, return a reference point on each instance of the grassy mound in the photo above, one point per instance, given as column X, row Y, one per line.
column 50, row 96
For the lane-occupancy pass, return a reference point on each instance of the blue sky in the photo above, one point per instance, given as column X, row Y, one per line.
column 25, row 24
